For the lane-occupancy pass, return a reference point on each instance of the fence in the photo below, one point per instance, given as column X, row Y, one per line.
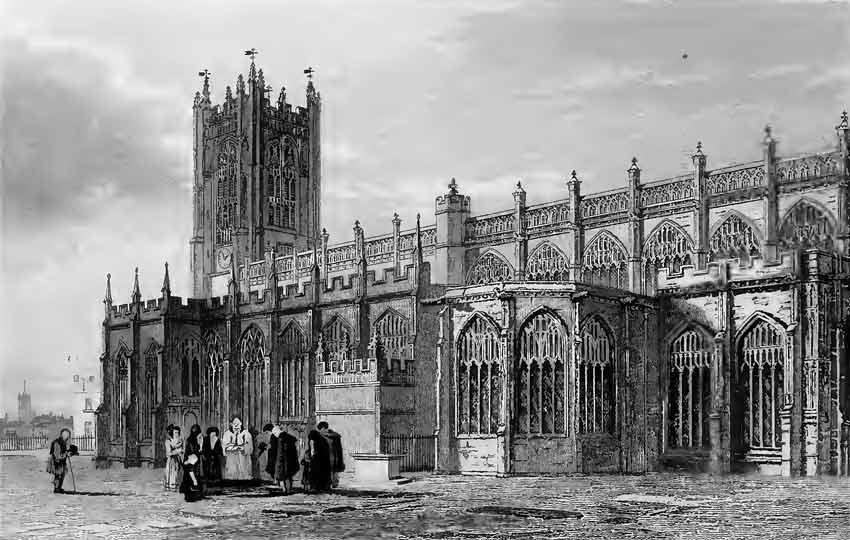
column 39, row 442
column 418, row 451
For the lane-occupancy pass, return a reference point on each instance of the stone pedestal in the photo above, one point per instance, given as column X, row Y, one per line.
column 377, row 468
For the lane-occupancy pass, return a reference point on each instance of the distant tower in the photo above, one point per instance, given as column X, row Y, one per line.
column 25, row 414
column 257, row 176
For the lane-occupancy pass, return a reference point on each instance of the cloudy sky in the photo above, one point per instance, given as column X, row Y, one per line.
column 96, row 113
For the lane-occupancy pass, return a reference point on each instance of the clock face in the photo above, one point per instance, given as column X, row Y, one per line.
column 224, row 258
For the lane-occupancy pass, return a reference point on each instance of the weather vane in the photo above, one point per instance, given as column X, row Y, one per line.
column 309, row 73
column 252, row 53
column 205, row 74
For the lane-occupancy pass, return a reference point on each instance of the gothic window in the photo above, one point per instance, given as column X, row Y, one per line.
column 150, row 395
column 336, row 344
column 121, row 396
column 734, row 238
column 489, row 268
column 288, row 193
column 604, row 262
column 392, row 329
column 479, row 378
column 225, row 201
column 762, row 363
column 689, row 392
column 293, row 371
column 213, row 402
column 596, row 410
column 806, row 227
column 667, row 247
column 547, row 263
column 541, row 376
column 252, row 352
column 190, row 362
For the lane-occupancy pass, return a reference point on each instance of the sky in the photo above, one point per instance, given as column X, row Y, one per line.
column 96, row 142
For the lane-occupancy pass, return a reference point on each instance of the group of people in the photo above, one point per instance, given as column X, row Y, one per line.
column 208, row 460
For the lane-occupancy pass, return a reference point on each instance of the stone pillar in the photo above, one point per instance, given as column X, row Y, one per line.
column 635, row 233
column 520, row 238
column 575, row 352
column 396, row 253
column 771, row 198
column 503, row 434
column 451, row 212
column 325, row 237
column 575, row 232
column 701, row 208
column 815, row 364
column 843, row 131
column 719, row 461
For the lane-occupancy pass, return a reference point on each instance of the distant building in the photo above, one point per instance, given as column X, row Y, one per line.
column 25, row 413
column 86, row 398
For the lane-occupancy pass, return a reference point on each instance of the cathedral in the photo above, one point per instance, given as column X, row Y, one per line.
column 693, row 322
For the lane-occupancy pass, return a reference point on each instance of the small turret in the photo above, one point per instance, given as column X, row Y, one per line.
column 107, row 298
column 166, row 283
column 137, row 295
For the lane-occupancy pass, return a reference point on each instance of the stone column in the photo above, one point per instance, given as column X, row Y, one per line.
column 575, row 232
column 503, row 441
column 635, row 234
column 771, row 198
column 814, row 363
column 325, row 237
column 575, row 354
column 396, row 253
column 843, row 131
column 718, row 460
column 701, row 209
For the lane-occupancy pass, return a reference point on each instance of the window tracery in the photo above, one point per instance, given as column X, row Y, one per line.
column 253, row 372
column 762, row 374
column 190, row 362
column 734, row 238
column 293, row 372
column 806, row 227
column 540, row 375
column 547, row 263
column 489, row 268
column 604, row 262
column 689, row 393
column 479, row 378
column 596, row 411
column 213, row 384
column 336, row 344
column 392, row 331
column 667, row 247
column 226, row 194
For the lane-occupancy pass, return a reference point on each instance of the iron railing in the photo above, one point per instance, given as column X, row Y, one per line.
column 418, row 451
column 40, row 442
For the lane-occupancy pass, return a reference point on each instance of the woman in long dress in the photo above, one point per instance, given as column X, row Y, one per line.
column 238, row 447
column 191, row 485
column 213, row 456
column 174, row 458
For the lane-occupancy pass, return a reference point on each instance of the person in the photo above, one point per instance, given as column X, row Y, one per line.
column 286, row 460
column 193, row 445
column 336, row 455
column 213, row 456
column 319, row 459
column 191, row 484
column 57, row 461
column 262, row 449
column 174, row 458
column 271, row 457
column 238, row 447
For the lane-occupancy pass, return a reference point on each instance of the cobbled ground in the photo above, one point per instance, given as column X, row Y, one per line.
column 130, row 503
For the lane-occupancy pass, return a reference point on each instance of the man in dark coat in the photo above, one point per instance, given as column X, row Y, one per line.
column 60, row 451
column 319, row 459
column 335, row 444
column 286, row 460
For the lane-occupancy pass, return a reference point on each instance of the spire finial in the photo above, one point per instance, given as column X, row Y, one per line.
column 309, row 73
column 252, row 71
column 574, row 175
column 453, row 186
column 845, row 121
column 136, row 293
column 108, row 298
column 206, row 75
column 281, row 98
column 166, row 283
column 634, row 165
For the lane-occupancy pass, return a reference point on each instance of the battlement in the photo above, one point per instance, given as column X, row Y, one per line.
column 717, row 275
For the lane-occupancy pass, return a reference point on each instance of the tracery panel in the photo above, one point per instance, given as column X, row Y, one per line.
column 596, row 407
column 392, row 330
column 762, row 375
column 254, row 372
column 547, row 263
column 689, row 392
column 190, row 354
column 213, row 398
column 604, row 262
column 540, row 374
column 336, row 344
column 293, row 372
column 667, row 247
column 734, row 238
column 479, row 378
column 489, row 268
column 226, row 194
column 806, row 227
column 150, row 395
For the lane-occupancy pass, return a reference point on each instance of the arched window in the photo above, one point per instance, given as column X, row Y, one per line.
column 252, row 352
column 150, row 397
column 121, row 394
column 540, row 376
column 667, row 247
column 734, row 238
column 294, row 368
column 392, row 331
column 336, row 342
column 762, row 374
column 226, row 190
column 689, row 392
column 213, row 402
column 288, row 193
column 489, row 268
column 274, row 184
column 190, row 354
column 604, row 262
column 596, row 411
column 547, row 263
column 479, row 378
column 806, row 227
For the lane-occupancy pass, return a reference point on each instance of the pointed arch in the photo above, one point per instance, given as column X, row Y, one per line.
column 689, row 387
column 190, row 351
column 252, row 347
column 547, row 263
column 807, row 225
column 213, row 398
column 734, row 237
column 226, row 192
column 293, row 371
column 540, row 374
column 479, row 377
column 337, row 339
column 596, row 384
column 761, row 347
column 490, row 267
column 604, row 261
column 253, row 373
column 667, row 246
column 274, row 183
column 120, row 395
column 392, row 330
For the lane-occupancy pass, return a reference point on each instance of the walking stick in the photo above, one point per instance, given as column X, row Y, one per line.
column 73, row 481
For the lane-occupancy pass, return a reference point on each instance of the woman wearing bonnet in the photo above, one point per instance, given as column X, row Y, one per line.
column 238, row 447
column 174, row 457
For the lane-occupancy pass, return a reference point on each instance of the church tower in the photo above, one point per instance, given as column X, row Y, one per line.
column 257, row 183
